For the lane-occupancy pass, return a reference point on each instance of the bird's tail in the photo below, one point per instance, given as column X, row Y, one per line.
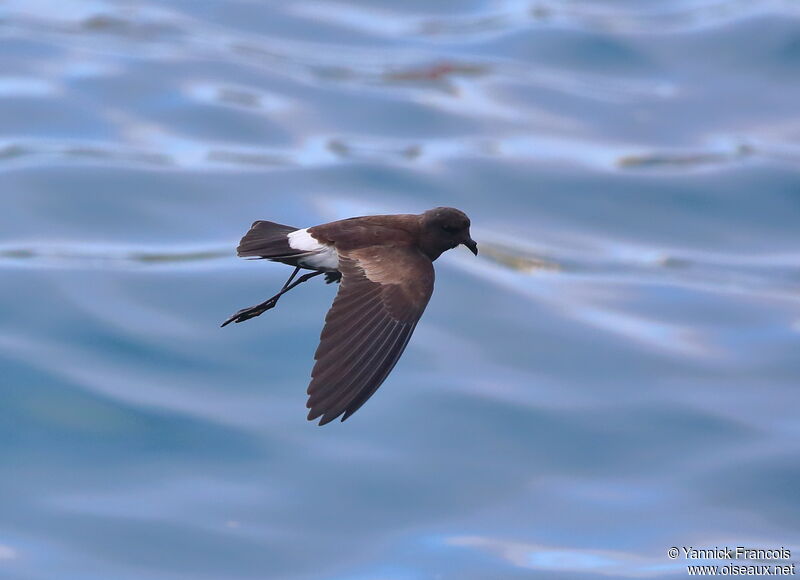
column 267, row 240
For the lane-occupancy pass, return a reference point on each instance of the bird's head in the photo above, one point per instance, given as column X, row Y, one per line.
column 444, row 228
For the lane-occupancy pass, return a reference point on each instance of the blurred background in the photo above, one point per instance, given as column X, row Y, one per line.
column 615, row 374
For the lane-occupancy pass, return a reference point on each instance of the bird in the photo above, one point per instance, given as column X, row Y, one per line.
column 384, row 267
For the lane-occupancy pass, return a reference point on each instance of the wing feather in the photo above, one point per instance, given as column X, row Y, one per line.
column 362, row 397
column 371, row 375
column 383, row 293
column 354, row 351
column 343, row 387
column 340, row 332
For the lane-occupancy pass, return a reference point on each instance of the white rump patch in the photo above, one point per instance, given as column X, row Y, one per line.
column 320, row 256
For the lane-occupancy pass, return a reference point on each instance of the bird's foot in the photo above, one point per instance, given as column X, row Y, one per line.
column 252, row 312
column 331, row 277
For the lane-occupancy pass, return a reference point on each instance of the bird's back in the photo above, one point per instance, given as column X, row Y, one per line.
column 363, row 232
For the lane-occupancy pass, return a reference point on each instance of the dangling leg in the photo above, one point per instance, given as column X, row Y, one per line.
column 289, row 281
column 258, row 309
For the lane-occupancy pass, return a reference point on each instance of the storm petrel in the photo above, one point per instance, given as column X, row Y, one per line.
column 385, row 265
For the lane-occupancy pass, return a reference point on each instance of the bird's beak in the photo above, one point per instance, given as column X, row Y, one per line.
column 473, row 247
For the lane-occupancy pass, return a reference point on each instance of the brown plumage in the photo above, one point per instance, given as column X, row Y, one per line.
column 385, row 264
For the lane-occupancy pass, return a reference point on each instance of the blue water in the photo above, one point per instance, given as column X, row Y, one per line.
column 616, row 374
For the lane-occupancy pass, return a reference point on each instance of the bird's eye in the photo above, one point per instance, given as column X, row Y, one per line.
column 450, row 229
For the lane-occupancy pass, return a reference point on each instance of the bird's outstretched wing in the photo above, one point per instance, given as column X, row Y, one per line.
column 383, row 293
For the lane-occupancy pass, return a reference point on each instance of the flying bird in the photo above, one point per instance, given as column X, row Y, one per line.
column 385, row 266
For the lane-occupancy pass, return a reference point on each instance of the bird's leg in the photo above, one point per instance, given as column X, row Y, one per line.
column 258, row 309
column 289, row 281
